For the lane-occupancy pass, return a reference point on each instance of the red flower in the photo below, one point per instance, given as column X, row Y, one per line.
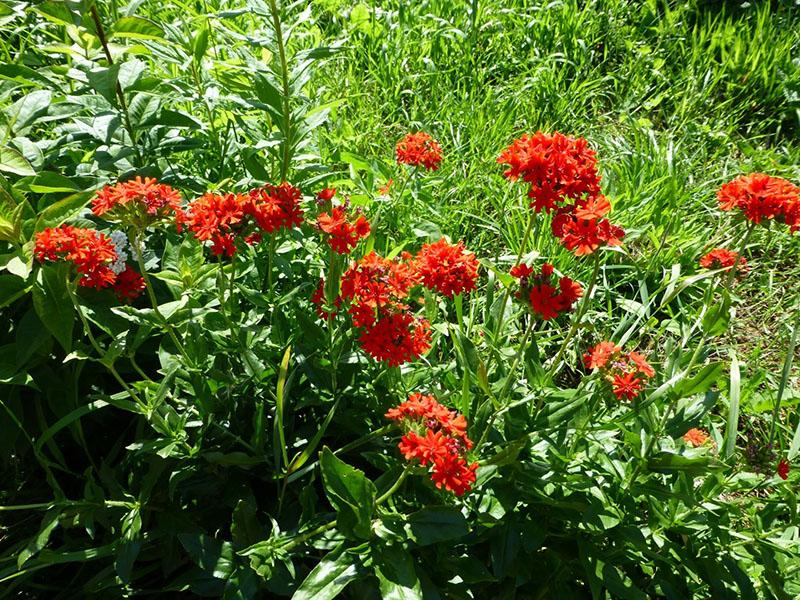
column 343, row 235
column 584, row 236
column 521, row 271
column 722, row 258
column 129, row 285
column 783, row 469
column 318, row 299
column 696, row 437
column 138, row 201
column 626, row 385
column 223, row 244
column 396, row 338
column 626, row 372
column 375, row 283
column 444, row 444
column 91, row 253
column 214, row 214
column 326, row 195
column 598, row 357
column 541, row 293
column 419, row 150
column 760, row 197
column 454, row 474
column 447, row 268
column 557, row 168
column 275, row 207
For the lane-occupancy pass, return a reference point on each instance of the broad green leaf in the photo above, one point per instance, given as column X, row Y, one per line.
column 24, row 112
column 397, row 577
column 47, row 182
column 53, row 305
column 350, row 493
column 435, row 524
column 701, row 382
column 331, row 575
column 12, row 161
column 210, row 554
column 63, row 210
column 137, row 28
column 696, row 464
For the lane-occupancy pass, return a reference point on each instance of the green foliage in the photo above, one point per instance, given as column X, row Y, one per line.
column 221, row 440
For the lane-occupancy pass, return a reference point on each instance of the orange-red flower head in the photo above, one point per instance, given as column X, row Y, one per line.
column 558, row 168
column 343, row 232
column 138, row 202
column 419, row 150
column 783, row 469
column 91, row 253
column 627, row 372
column 436, row 436
column 722, row 258
column 547, row 296
column 761, row 197
column 447, row 268
column 696, row 437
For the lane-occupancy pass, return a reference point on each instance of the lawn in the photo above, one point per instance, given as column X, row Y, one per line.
column 372, row 329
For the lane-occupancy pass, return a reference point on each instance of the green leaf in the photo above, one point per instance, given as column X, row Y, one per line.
column 53, row 306
column 397, row 577
column 701, row 382
column 435, row 524
column 137, row 28
column 331, row 575
column 66, row 420
column 734, row 392
column 200, row 44
column 48, row 182
column 693, row 464
column 63, row 210
column 210, row 554
column 39, row 541
column 350, row 493
column 245, row 528
column 12, row 161
column 103, row 80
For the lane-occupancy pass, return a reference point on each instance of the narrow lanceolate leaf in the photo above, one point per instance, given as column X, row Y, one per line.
column 350, row 493
column 733, row 408
column 279, row 406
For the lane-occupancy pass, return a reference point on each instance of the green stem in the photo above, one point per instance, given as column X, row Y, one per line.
column 101, row 353
column 151, row 294
column 98, row 24
column 507, row 385
column 578, row 317
column 396, row 486
column 787, row 369
column 507, row 292
column 287, row 116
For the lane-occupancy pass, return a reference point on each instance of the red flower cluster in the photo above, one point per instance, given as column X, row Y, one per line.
column 761, row 196
column 722, row 258
column 542, row 295
column 129, row 285
column 582, row 228
column 419, row 150
column 376, row 288
column 696, row 437
column 436, row 436
column 556, row 166
column 627, row 372
column 783, row 469
column 138, row 202
column 223, row 218
column 318, row 299
column 447, row 268
column 342, row 233
column 92, row 253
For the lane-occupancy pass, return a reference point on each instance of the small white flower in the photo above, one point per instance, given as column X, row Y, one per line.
column 121, row 245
